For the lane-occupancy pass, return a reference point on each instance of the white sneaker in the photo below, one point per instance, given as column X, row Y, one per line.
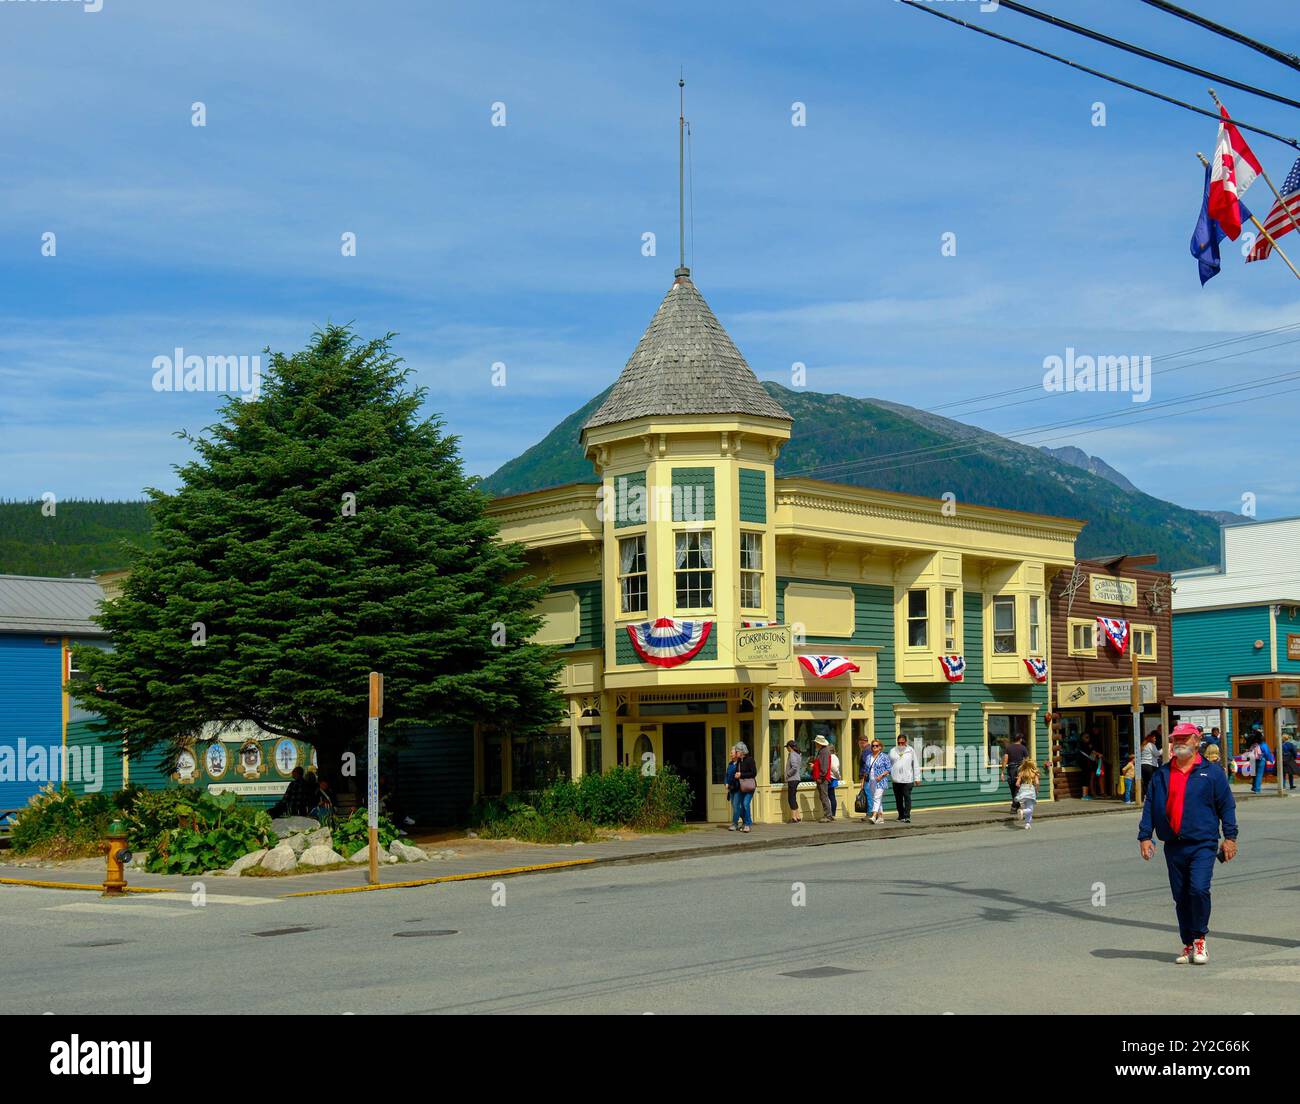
column 1186, row 957
column 1199, row 954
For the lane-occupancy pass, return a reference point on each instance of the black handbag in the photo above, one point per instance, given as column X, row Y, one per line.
column 862, row 803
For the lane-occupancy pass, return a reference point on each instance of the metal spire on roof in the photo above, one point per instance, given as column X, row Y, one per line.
column 682, row 270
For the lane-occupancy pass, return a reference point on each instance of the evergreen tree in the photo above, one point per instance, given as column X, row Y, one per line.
column 323, row 531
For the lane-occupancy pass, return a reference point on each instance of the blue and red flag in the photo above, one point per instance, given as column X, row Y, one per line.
column 1208, row 234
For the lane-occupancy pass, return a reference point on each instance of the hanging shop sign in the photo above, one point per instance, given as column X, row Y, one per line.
column 764, row 644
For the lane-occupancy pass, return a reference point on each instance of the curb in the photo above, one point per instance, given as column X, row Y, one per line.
column 536, row 868
column 98, row 888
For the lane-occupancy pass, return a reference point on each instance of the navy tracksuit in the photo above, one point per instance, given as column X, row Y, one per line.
column 1190, row 853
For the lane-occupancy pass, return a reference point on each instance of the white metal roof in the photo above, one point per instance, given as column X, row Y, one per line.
column 32, row 604
column 1259, row 564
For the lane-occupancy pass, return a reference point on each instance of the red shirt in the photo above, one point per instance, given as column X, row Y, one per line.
column 1177, row 790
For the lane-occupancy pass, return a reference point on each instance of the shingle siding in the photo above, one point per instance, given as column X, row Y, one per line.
column 753, row 495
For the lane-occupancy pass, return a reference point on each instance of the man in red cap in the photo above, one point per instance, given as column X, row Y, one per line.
column 1185, row 804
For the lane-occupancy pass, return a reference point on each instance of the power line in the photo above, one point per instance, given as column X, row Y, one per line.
column 1011, row 438
column 814, row 435
column 1227, row 32
column 916, row 5
column 1150, row 55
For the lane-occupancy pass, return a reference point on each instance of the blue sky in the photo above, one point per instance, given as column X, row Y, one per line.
column 522, row 244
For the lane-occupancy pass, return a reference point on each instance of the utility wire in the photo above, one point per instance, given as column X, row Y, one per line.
column 1150, row 55
column 1227, row 32
column 916, row 5
column 1011, row 438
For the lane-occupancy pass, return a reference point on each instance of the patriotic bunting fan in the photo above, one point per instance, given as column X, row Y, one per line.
column 1037, row 668
column 667, row 643
column 756, row 624
column 1116, row 631
column 824, row 666
column 954, row 667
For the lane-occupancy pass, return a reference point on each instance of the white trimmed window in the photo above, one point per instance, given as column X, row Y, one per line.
column 950, row 623
column 751, row 570
column 918, row 616
column 632, row 579
column 1144, row 642
column 1035, row 625
column 1004, row 625
column 694, row 570
column 1083, row 638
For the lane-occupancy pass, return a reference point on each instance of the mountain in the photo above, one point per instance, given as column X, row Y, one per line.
column 1076, row 457
column 874, row 443
column 79, row 538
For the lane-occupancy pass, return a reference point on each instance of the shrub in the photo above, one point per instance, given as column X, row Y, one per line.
column 354, row 833
column 188, row 832
column 531, row 826
column 612, row 798
column 58, row 824
column 665, row 802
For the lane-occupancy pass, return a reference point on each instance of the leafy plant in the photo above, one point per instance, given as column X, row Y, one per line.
column 354, row 833
column 58, row 824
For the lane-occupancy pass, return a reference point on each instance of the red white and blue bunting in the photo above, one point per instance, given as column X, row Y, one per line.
column 1037, row 668
column 667, row 643
column 827, row 666
column 1115, row 631
column 756, row 624
column 954, row 667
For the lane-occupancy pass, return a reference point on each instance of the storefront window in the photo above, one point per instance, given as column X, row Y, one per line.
column 860, row 728
column 805, row 732
column 591, row 751
column 1003, row 728
column 928, row 737
column 776, row 741
column 539, row 761
column 719, row 754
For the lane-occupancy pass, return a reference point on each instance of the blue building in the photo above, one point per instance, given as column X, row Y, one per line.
column 1236, row 626
column 40, row 621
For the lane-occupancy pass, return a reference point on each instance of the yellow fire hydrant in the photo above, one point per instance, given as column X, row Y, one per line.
column 118, row 855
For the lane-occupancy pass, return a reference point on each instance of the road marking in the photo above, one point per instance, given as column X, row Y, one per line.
column 163, row 913
column 218, row 898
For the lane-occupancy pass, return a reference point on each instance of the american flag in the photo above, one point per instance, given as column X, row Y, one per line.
column 1279, row 221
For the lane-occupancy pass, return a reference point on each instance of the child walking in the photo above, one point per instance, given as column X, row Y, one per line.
column 1027, row 790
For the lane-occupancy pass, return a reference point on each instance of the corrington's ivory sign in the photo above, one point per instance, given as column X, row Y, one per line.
column 1115, row 592
column 769, row 644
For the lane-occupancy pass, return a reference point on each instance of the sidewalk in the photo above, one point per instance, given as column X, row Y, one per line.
column 477, row 858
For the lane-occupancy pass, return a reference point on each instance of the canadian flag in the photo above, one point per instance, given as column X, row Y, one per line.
column 1232, row 171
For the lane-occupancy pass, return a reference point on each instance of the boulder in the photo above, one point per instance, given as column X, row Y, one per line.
column 279, row 859
column 245, row 861
column 322, row 837
column 406, row 853
column 287, row 826
column 363, row 855
column 139, row 860
column 297, row 844
column 320, row 855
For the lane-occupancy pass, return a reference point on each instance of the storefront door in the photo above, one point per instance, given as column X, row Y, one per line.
column 684, row 751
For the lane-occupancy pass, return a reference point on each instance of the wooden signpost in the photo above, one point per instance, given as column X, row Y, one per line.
column 372, row 771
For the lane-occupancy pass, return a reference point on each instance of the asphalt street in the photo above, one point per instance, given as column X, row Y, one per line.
column 1063, row 918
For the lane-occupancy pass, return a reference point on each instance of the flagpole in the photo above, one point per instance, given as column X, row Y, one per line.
column 1271, row 240
column 1264, row 173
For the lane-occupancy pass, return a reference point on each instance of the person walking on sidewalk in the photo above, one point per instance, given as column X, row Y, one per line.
column 1188, row 801
column 793, row 776
column 1015, row 754
column 1027, row 790
column 1150, row 759
column 905, row 773
column 1263, row 756
column 1288, row 762
column 745, row 779
column 875, row 777
column 821, row 772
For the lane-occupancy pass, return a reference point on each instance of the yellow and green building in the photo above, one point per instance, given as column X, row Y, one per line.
column 686, row 524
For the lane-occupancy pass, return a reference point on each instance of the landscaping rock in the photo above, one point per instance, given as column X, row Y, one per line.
column 245, row 861
column 298, row 843
column 279, row 859
column 287, row 826
column 407, row 853
column 139, row 860
column 322, row 837
column 320, row 855
column 385, row 856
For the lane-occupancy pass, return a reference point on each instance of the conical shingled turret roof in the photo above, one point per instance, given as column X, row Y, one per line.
column 685, row 364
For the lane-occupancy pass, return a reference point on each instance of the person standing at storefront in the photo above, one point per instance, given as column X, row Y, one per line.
column 821, row 772
column 1188, row 801
column 904, row 774
column 746, row 779
column 793, row 776
column 1015, row 754
column 1089, row 763
column 1263, row 757
column 1288, row 762
column 1150, row 759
